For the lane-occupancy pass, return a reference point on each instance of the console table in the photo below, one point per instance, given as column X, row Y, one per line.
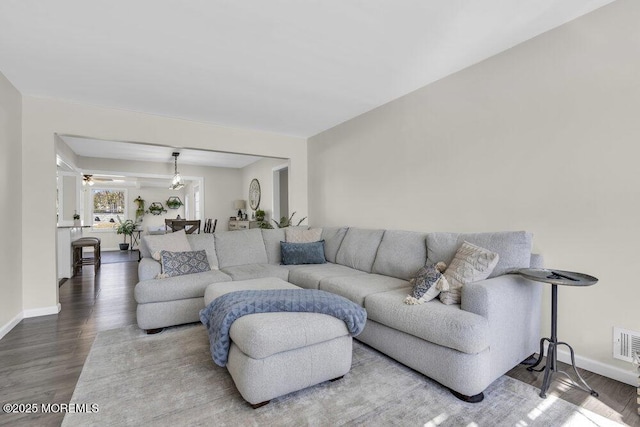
column 239, row 224
column 557, row 278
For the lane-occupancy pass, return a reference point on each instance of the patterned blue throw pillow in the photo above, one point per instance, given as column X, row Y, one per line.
column 181, row 263
column 427, row 284
column 302, row 253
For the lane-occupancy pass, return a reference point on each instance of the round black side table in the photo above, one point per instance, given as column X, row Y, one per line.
column 557, row 278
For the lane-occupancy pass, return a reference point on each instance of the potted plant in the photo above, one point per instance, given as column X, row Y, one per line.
column 156, row 208
column 286, row 222
column 174, row 202
column 140, row 209
column 127, row 227
column 260, row 214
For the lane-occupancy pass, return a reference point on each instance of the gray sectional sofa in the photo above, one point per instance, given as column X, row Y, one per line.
column 464, row 347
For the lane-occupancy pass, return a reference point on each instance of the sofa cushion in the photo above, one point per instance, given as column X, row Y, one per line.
column 173, row 242
column 514, row 248
column 303, row 253
column 470, row 264
column 401, row 254
column 148, row 268
column 433, row 321
column 332, row 237
column 182, row 263
column 240, row 247
column 357, row 287
column 215, row 290
column 308, row 276
column 206, row 242
column 144, row 250
column 272, row 238
column 359, row 247
column 298, row 235
column 255, row 271
column 176, row 288
column 264, row 334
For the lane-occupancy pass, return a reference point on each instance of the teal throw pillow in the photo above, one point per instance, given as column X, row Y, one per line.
column 302, row 253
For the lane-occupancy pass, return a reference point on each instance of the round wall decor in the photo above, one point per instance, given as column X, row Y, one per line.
column 254, row 194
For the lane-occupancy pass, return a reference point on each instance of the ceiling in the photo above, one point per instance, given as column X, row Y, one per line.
column 88, row 147
column 286, row 66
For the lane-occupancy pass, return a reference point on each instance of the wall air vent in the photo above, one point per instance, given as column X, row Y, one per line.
column 625, row 344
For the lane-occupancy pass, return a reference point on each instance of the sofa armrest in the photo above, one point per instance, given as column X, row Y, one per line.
column 148, row 268
column 512, row 306
column 537, row 261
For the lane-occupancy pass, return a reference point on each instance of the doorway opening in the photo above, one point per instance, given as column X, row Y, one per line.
column 281, row 191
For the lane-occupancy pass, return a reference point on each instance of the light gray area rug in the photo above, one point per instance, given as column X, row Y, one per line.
column 170, row 379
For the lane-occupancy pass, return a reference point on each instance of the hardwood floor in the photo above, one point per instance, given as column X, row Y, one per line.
column 616, row 400
column 41, row 358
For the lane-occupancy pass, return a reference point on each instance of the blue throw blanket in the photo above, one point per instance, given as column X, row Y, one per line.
column 224, row 310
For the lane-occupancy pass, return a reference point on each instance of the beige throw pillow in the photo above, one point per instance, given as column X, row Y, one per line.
column 172, row 242
column 470, row 264
column 300, row 235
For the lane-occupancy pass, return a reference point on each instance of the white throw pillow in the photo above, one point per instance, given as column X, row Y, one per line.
column 172, row 242
column 470, row 264
column 300, row 235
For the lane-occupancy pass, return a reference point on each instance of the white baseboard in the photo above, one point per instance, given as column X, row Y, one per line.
column 34, row 312
column 629, row 376
column 623, row 375
column 5, row 329
column 43, row 311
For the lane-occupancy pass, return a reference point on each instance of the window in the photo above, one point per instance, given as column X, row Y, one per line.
column 106, row 206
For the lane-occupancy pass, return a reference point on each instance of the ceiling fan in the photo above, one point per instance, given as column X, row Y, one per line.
column 90, row 180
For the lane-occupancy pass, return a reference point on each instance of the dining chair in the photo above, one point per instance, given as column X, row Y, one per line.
column 210, row 225
column 189, row 226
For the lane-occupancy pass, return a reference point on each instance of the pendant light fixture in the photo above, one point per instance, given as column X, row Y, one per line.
column 176, row 183
column 87, row 180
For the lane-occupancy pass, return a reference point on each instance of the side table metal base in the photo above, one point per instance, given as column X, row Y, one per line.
column 551, row 367
column 555, row 278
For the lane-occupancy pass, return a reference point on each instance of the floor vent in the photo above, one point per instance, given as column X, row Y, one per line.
column 625, row 344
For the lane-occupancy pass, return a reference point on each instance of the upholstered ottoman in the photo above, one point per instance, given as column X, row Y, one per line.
column 273, row 354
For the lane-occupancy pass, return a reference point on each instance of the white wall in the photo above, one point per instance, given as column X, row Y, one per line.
column 11, row 215
column 43, row 117
column 263, row 171
column 544, row 137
